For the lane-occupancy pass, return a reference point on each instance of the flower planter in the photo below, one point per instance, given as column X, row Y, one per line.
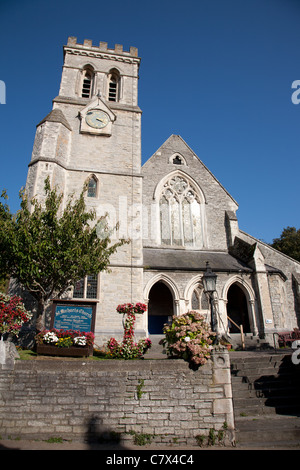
column 73, row 351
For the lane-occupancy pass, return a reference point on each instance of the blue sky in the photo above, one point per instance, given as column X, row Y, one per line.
column 217, row 72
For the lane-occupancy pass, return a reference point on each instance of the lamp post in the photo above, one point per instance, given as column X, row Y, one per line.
column 209, row 284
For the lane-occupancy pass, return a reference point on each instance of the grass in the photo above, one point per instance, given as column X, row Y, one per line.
column 54, row 440
column 28, row 354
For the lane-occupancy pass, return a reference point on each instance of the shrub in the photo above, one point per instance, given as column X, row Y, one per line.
column 189, row 337
column 12, row 314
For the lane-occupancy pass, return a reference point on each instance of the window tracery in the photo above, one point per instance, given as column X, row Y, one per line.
column 180, row 213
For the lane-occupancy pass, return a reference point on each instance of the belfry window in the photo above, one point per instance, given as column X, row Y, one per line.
column 180, row 214
column 87, row 84
column 112, row 93
column 113, row 86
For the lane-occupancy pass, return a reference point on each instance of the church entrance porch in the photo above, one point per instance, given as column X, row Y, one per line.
column 160, row 308
column 237, row 310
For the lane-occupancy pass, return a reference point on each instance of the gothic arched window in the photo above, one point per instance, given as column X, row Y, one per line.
column 92, row 187
column 87, row 83
column 199, row 299
column 113, row 86
column 180, row 213
column 177, row 160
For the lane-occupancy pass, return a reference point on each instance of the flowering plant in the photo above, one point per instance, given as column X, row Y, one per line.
column 140, row 308
column 128, row 349
column 12, row 314
column 65, row 338
column 189, row 337
column 65, row 342
column 50, row 337
column 80, row 341
column 131, row 308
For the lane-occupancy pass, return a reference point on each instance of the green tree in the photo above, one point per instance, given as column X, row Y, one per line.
column 288, row 242
column 5, row 221
column 47, row 249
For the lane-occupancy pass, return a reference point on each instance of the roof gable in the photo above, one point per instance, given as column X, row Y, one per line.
column 174, row 145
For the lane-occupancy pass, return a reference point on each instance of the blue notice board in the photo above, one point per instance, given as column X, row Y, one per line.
column 73, row 317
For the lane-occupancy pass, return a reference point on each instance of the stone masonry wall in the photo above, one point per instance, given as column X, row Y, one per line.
column 99, row 400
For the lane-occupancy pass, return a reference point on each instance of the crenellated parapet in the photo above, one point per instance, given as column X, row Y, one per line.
column 101, row 50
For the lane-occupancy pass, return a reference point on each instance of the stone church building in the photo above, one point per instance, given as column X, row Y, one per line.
column 177, row 215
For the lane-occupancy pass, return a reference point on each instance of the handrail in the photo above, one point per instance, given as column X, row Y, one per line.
column 234, row 322
column 241, row 330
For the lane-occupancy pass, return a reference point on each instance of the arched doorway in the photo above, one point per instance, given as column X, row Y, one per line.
column 160, row 307
column 237, row 309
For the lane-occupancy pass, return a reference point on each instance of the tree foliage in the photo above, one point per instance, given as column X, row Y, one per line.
column 47, row 249
column 288, row 242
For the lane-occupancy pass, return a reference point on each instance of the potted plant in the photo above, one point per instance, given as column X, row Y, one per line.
column 68, row 343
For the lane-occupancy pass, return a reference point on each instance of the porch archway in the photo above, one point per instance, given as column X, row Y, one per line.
column 160, row 307
column 237, row 309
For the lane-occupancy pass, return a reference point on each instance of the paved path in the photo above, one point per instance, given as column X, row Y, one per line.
column 7, row 444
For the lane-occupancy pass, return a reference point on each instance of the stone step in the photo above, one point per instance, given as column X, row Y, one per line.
column 251, row 341
column 262, row 357
column 262, row 389
column 157, row 351
column 266, row 405
column 258, row 431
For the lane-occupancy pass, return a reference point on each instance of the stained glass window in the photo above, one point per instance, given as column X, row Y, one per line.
column 180, row 214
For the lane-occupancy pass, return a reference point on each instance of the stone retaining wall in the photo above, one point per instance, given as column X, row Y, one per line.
column 79, row 399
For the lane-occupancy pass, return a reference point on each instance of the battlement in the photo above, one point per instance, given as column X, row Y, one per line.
column 87, row 44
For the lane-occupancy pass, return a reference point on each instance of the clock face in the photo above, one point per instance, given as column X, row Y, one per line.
column 97, row 118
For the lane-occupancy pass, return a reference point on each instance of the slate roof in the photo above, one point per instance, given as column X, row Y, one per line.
column 56, row 115
column 164, row 259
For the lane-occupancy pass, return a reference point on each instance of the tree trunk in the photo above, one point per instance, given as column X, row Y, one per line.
column 39, row 324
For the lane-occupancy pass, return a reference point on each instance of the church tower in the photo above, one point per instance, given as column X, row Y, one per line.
column 93, row 134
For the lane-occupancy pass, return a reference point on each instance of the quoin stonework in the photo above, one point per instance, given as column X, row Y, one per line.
column 177, row 215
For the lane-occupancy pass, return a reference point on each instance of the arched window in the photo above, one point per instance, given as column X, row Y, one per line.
column 92, row 187
column 196, row 302
column 87, row 83
column 199, row 299
column 177, row 160
column 180, row 213
column 113, row 86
